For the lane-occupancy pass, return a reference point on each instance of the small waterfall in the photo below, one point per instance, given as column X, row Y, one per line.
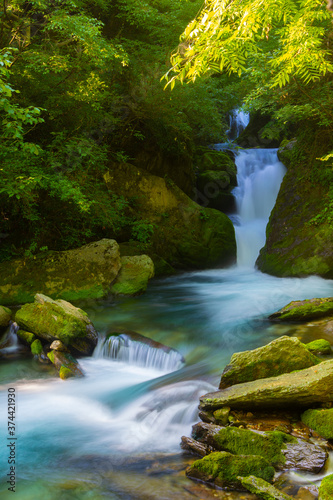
column 238, row 121
column 122, row 348
column 10, row 341
column 259, row 175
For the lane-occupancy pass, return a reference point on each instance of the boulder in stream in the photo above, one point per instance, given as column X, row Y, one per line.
column 301, row 388
column 304, row 310
column 224, row 469
column 282, row 355
column 85, row 272
column 134, row 275
column 319, row 346
column 51, row 320
column 66, row 364
column 320, row 420
column 263, row 489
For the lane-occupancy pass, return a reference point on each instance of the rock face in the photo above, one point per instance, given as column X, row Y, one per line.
column 134, row 275
column 185, row 234
column 283, row 355
column 263, row 489
column 71, row 275
column 224, row 469
column 320, row 420
column 304, row 310
column 5, row 316
column 53, row 320
column 302, row 388
column 299, row 232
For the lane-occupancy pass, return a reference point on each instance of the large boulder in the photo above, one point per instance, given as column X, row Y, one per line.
column 320, row 420
column 50, row 320
column 86, row 272
column 301, row 388
column 282, row 355
column 224, row 469
column 299, row 232
column 184, row 234
column 134, row 275
column 304, row 310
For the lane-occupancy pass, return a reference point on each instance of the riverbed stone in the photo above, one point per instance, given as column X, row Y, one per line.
column 320, row 420
column 282, row 355
column 5, row 317
column 301, row 388
column 86, row 272
column 319, row 346
column 223, row 469
column 53, row 320
column 134, row 275
column 263, row 489
column 304, row 310
column 66, row 364
column 326, row 488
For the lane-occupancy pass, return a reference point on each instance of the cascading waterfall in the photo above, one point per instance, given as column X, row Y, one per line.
column 259, row 176
column 238, row 121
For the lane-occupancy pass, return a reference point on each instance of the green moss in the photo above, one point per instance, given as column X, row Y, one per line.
column 320, row 421
column 222, row 415
column 50, row 355
column 26, row 337
column 263, row 489
column 247, row 442
column 224, row 469
column 65, row 372
column 326, row 488
column 36, row 347
column 305, row 310
column 320, row 346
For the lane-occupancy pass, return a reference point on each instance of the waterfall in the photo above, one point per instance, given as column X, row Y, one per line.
column 122, row 348
column 238, row 121
column 259, row 176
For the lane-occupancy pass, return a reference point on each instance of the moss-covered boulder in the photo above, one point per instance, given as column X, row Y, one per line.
column 86, row 272
column 326, row 488
column 299, row 232
column 36, row 347
column 5, row 317
column 320, row 420
column 52, row 320
column 304, row 310
column 282, row 355
column 214, row 190
column 263, row 489
column 134, row 275
column 224, row 469
column 319, row 346
column 65, row 363
column 184, row 234
column 301, row 388
column 26, row 338
column 134, row 248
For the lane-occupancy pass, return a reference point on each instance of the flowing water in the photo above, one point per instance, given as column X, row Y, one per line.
column 115, row 433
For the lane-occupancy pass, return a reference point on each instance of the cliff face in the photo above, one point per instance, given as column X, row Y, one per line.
column 300, row 230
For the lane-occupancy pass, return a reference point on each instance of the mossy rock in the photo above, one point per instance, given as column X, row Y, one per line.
column 282, row 355
column 214, row 190
column 52, row 320
column 65, row 373
column 320, row 420
column 320, row 346
column 185, row 234
column 207, row 159
column 36, row 347
column 131, row 248
column 86, row 272
column 305, row 310
column 66, row 365
column 134, row 275
column 224, row 469
column 25, row 337
column 247, row 442
column 326, row 488
column 263, row 489
column 221, row 416
column 5, row 316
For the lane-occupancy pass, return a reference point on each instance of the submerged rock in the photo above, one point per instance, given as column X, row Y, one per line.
column 86, row 272
column 283, row 355
column 326, row 488
column 224, row 469
column 263, row 489
column 304, row 310
column 52, row 320
column 320, row 420
column 134, row 275
column 302, row 388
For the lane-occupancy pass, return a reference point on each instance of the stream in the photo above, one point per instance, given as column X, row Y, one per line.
column 115, row 433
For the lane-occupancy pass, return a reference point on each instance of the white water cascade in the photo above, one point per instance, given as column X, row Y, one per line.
column 259, row 176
